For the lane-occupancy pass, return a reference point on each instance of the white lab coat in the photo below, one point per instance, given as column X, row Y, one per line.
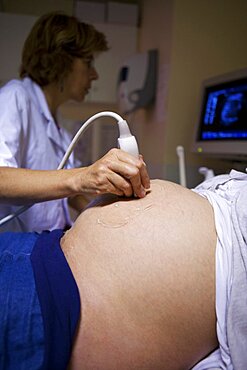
column 29, row 138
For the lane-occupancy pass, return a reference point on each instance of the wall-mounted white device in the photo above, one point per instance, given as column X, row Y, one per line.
column 136, row 86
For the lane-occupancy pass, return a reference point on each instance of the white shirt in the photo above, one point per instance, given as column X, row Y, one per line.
column 29, row 138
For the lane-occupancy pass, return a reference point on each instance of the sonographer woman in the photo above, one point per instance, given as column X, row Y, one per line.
column 57, row 66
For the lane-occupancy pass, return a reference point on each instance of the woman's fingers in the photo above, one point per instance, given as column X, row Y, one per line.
column 145, row 179
column 139, row 179
column 119, row 173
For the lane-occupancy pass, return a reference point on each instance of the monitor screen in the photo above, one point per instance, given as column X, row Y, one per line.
column 222, row 125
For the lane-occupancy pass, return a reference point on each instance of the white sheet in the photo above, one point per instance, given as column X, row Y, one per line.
column 222, row 191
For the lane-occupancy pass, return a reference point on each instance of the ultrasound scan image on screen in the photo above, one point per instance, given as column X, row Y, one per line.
column 225, row 112
column 221, row 126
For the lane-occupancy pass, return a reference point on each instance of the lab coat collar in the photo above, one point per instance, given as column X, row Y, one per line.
column 38, row 97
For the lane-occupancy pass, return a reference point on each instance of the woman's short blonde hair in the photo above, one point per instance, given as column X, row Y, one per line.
column 53, row 43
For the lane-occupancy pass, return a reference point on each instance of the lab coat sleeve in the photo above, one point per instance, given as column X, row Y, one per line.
column 13, row 113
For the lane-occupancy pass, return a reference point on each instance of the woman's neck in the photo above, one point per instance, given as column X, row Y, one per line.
column 54, row 98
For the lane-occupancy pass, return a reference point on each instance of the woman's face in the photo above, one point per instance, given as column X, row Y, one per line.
column 78, row 82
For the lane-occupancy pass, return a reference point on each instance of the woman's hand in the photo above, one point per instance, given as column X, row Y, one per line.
column 118, row 173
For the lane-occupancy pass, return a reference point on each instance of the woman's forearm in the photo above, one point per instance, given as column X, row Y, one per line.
column 117, row 172
column 22, row 186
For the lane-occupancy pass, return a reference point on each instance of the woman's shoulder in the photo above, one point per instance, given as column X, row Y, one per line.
column 15, row 92
column 15, row 87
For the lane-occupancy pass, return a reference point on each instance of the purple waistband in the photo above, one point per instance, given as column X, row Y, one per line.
column 59, row 299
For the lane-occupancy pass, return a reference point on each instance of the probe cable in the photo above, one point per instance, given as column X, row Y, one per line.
column 125, row 136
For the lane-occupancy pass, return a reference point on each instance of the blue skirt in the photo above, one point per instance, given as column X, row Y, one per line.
column 39, row 302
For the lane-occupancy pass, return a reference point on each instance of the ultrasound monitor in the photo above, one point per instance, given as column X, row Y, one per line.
column 221, row 129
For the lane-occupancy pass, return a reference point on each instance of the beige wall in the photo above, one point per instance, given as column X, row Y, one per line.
column 208, row 38
column 149, row 124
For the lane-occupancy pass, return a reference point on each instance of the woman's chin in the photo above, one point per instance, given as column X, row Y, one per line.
column 79, row 99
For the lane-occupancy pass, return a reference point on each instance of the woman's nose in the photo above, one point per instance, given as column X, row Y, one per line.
column 94, row 74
